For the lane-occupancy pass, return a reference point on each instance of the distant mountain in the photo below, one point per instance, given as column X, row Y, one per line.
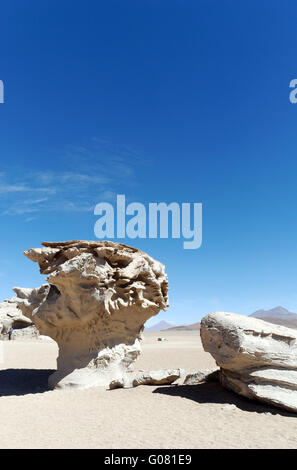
column 279, row 312
column 162, row 325
column 278, row 316
column 193, row 326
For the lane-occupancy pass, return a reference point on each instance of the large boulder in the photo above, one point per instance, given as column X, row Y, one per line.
column 12, row 317
column 98, row 297
column 257, row 359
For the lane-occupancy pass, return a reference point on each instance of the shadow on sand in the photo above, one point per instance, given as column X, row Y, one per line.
column 24, row 381
column 215, row 393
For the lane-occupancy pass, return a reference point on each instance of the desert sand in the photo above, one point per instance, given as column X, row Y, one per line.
column 149, row 417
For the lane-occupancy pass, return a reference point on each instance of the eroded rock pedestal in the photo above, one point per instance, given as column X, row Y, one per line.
column 98, row 298
column 257, row 359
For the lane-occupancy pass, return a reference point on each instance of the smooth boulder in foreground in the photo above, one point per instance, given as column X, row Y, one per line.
column 257, row 359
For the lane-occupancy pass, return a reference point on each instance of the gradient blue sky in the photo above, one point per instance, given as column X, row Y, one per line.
column 184, row 101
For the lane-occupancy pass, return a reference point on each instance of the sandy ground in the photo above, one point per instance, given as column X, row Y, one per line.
column 151, row 417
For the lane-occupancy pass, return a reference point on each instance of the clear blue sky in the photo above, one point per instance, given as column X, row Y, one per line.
column 184, row 101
